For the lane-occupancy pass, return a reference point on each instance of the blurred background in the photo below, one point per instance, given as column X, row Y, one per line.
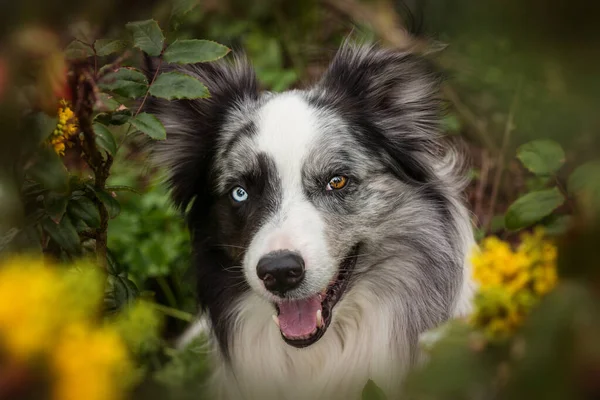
column 516, row 71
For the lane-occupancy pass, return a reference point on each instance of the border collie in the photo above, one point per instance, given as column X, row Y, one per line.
column 328, row 225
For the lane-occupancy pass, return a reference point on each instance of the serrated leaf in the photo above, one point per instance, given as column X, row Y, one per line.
column 112, row 205
column 49, row 170
column 105, row 47
column 532, row 207
column 176, row 85
column 77, row 51
column 542, row 157
column 85, row 210
column 55, row 205
column 147, row 36
column 182, row 7
column 106, row 102
column 194, row 51
column 64, row 234
column 372, row 392
column 150, row 125
column 105, row 138
column 127, row 82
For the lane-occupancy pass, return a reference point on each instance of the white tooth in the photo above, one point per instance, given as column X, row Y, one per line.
column 276, row 320
column 319, row 319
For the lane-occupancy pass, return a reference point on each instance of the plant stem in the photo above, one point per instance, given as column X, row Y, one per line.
column 173, row 312
column 500, row 165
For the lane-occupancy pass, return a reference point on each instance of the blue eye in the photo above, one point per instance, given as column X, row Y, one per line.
column 239, row 194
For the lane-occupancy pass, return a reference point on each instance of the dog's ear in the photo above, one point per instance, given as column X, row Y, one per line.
column 393, row 98
column 193, row 126
column 400, row 90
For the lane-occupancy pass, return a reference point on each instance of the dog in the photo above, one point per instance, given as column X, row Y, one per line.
column 328, row 225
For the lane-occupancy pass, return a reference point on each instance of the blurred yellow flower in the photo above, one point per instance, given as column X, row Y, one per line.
column 52, row 315
column 90, row 364
column 511, row 281
column 66, row 127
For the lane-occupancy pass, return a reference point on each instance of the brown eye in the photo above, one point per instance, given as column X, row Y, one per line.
column 337, row 183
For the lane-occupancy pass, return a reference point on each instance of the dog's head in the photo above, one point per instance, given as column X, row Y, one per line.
column 286, row 191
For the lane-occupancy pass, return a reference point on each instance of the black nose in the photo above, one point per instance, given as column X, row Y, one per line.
column 281, row 271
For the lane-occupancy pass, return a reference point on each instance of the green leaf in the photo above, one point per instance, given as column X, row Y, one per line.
column 182, row 7
column 105, row 47
column 176, row 85
column 64, row 234
column 150, row 125
column 147, row 36
column 112, row 205
column 114, row 267
column 105, row 138
column 557, row 225
column 119, row 292
column 86, row 210
column 122, row 188
column 584, row 183
column 585, row 177
column 194, row 51
column 49, row 170
column 55, row 205
column 77, row 51
column 106, row 103
column 372, row 392
column 127, row 82
column 532, row 207
column 542, row 157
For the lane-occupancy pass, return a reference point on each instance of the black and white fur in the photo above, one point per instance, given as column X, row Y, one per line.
column 373, row 117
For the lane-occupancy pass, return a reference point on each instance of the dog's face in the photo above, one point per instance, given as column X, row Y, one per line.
column 290, row 190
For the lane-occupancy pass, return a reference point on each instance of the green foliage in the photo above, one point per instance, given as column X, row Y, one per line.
column 150, row 125
column 84, row 209
column 126, row 82
column 584, row 183
column 177, row 85
column 194, row 51
column 532, row 207
column 147, row 36
column 542, row 157
column 106, row 47
column 150, row 236
column 105, row 138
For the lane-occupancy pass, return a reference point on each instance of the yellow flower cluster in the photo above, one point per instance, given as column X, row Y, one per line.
column 66, row 128
column 511, row 281
column 49, row 315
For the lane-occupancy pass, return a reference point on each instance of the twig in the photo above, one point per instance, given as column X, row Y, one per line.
column 173, row 312
column 149, row 85
column 500, row 163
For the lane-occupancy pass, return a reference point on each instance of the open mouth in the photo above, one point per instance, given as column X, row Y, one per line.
column 303, row 322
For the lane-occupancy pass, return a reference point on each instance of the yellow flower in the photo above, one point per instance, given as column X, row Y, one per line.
column 66, row 128
column 50, row 314
column 28, row 302
column 90, row 364
column 511, row 281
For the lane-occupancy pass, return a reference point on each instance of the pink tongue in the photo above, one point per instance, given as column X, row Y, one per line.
column 298, row 318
